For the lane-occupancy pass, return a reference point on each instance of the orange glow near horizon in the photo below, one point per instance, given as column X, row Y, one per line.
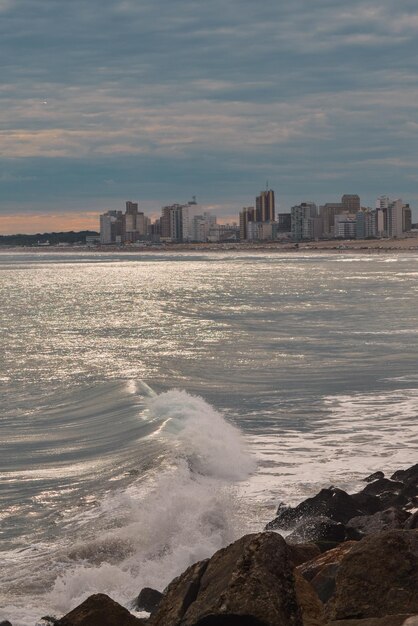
column 28, row 224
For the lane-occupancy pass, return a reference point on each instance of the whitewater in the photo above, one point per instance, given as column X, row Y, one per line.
column 156, row 407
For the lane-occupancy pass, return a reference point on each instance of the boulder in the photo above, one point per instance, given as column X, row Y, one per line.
column 390, row 620
column 412, row 521
column 333, row 503
column 405, row 475
column 249, row 583
column 317, row 529
column 391, row 519
column 382, row 485
column 311, row 607
column 378, row 577
column 5, row 623
column 100, row 610
column 302, row 552
column 321, row 571
column 367, row 503
column 374, row 476
column 148, row 600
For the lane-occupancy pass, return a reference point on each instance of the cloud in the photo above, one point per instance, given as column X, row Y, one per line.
column 168, row 99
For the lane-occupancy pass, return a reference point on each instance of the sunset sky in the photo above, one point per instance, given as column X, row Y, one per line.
column 156, row 101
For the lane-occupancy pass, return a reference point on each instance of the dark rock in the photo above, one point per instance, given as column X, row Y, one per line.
column 412, row 522
column 5, row 623
column 100, row 610
column 321, row 571
column 317, row 529
column 148, row 600
column 378, row 577
column 302, row 552
column 382, row 485
column 50, row 620
column 391, row 519
column 333, row 503
column 311, row 607
column 374, row 476
column 249, row 583
column 405, row 475
column 389, row 620
column 367, row 503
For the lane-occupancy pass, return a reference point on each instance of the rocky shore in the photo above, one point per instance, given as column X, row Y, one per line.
column 347, row 560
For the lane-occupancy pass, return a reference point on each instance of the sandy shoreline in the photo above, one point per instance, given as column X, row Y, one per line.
column 409, row 244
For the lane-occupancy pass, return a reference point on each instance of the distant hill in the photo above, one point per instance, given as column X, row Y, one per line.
column 53, row 239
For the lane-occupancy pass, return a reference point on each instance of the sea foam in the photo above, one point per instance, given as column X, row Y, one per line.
column 167, row 520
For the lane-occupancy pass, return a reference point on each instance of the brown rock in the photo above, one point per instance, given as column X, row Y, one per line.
column 412, row 522
column 321, row 571
column 389, row 620
column 391, row 519
column 249, row 583
column 302, row 552
column 311, row 568
column 378, row 577
column 310, row 605
column 100, row 610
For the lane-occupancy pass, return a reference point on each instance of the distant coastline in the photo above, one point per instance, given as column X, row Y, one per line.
column 409, row 244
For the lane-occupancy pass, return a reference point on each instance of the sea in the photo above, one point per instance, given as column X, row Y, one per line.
column 155, row 406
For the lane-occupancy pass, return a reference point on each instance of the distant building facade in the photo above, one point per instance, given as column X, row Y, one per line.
column 302, row 218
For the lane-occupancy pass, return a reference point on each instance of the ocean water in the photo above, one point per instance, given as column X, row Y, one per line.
column 156, row 406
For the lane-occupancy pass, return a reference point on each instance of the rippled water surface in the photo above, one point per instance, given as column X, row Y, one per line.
column 104, row 467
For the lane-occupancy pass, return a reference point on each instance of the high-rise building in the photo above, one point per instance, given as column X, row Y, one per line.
column 328, row 212
column 395, row 218
column 366, row 224
column 111, row 227
column 302, row 220
column 351, row 203
column 246, row 215
column 407, row 219
column 264, row 206
column 284, row 223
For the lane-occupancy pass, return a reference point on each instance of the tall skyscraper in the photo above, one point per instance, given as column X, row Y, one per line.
column 265, row 207
column 246, row 215
column 351, row 202
column 304, row 221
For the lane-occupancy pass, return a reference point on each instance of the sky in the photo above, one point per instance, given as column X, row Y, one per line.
column 158, row 100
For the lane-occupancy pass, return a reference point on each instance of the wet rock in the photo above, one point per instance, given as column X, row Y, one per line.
column 378, row 577
column 100, row 610
column 367, row 503
column 412, row 522
column 382, row 485
column 391, row 519
column 302, row 552
column 390, row 620
column 5, row 623
column 333, row 503
column 311, row 607
column 405, row 475
column 249, row 583
column 148, row 600
column 317, row 529
column 321, row 571
column 374, row 476
column 49, row 620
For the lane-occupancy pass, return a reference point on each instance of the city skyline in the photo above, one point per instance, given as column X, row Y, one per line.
column 119, row 99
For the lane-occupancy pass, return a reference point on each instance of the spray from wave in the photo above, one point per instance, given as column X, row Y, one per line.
column 165, row 520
